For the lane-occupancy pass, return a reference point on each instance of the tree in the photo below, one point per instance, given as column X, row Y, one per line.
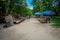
column 2, row 6
column 28, row 12
column 16, row 6
column 41, row 5
column 21, row 8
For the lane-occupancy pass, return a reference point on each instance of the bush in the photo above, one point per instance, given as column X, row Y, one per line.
column 56, row 21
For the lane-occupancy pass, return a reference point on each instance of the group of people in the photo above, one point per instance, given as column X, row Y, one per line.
column 6, row 20
column 46, row 19
column 9, row 20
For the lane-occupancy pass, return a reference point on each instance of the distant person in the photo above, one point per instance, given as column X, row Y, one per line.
column 7, row 21
column 11, row 20
column 47, row 19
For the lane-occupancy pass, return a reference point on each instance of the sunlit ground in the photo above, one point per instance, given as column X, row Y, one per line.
column 30, row 29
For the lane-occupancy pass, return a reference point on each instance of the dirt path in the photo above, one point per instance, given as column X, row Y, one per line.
column 30, row 29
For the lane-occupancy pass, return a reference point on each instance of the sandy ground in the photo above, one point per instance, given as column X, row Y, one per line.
column 30, row 29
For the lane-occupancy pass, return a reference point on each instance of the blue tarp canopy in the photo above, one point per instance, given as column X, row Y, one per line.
column 48, row 12
column 38, row 13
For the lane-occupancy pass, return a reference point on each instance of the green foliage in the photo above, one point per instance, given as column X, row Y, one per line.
column 38, row 6
column 20, row 6
column 2, row 6
column 17, row 6
column 29, row 11
column 56, row 22
column 41, row 5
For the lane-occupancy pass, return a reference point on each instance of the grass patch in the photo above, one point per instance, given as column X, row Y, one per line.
column 56, row 25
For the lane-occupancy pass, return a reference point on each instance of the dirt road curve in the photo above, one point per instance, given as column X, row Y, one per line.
column 30, row 29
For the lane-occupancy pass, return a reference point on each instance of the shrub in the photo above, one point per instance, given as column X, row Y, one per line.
column 56, row 21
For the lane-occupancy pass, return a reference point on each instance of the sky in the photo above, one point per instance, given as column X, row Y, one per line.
column 29, row 4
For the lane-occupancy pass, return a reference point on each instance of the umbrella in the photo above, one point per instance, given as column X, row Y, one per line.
column 48, row 12
column 38, row 13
